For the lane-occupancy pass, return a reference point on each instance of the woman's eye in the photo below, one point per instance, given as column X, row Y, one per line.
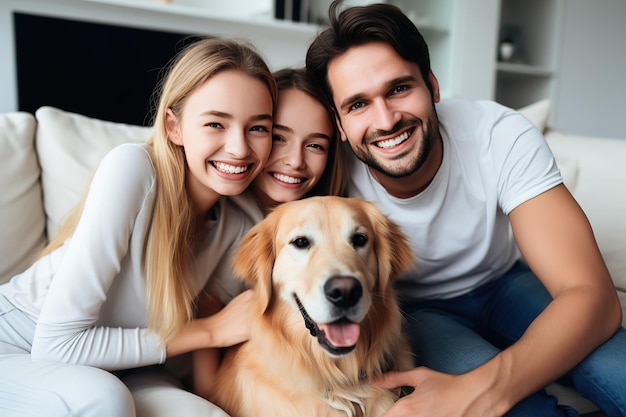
column 259, row 128
column 316, row 146
column 214, row 125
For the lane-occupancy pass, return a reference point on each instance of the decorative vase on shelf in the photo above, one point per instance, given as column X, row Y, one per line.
column 507, row 51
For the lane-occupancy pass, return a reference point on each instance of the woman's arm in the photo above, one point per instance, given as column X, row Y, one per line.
column 206, row 361
column 104, row 252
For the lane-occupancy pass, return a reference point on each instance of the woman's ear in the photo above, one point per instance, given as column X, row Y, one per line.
column 172, row 128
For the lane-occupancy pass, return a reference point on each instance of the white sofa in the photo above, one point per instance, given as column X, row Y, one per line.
column 46, row 160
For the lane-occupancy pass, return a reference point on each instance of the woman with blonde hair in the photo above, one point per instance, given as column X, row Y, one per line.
column 84, row 330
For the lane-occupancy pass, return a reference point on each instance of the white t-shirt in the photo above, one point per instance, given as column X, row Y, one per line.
column 493, row 160
column 89, row 295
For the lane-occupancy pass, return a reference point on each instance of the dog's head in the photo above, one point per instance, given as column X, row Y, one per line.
column 330, row 258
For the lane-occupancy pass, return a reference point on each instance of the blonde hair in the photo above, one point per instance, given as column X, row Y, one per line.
column 170, row 300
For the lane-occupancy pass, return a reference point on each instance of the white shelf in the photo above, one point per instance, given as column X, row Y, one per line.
column 534, row 27
column 231, row 11
column 523, row 70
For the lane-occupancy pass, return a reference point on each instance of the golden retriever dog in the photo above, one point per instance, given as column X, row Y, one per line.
column 328, row 319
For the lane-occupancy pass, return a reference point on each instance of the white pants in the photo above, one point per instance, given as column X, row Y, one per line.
column 52, row 389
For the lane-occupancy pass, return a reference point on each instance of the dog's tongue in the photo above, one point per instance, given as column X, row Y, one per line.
column 341, row 334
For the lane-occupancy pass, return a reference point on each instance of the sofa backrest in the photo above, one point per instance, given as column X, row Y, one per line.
column 22, row 221
column 69, row 148
column 46, row 161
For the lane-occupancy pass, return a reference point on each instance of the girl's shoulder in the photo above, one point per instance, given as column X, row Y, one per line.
column 128, row 166
column 129, row 159
column 137, row 152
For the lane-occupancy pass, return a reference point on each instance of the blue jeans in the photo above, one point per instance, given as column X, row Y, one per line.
column 459, row 334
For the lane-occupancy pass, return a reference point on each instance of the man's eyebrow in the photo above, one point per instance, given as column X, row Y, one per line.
column 388, row 86
column 352, row 99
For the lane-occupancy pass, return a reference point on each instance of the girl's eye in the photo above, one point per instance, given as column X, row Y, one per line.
column 214, row 125
column 278, row 138
column 316, row 146
column 259, row 128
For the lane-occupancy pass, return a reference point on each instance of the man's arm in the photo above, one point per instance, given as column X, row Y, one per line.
column 558, row 244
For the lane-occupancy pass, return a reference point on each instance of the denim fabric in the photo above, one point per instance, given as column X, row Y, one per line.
column 459, row 334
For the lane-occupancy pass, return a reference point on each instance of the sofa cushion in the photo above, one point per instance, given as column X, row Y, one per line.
column 70, row 146
column 538, row 113
column 22, row 219
column 599, row 186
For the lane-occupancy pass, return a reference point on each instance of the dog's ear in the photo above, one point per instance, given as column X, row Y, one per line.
column 392, row 246
column 254, row 259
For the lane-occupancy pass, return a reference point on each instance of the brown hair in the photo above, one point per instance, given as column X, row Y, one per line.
column 333, row 180
column 360, row 25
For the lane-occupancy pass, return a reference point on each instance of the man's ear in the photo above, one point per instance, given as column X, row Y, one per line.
column 172, row 128
column 342, row 133
column 435, row 84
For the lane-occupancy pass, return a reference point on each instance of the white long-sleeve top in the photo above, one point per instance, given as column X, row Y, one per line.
column 89, row 296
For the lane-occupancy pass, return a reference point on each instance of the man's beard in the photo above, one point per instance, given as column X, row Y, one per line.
column 412, row 165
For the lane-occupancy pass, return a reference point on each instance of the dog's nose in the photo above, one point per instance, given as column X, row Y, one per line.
column 344, row 292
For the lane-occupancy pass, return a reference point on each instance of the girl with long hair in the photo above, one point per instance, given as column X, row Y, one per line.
column 85, row 329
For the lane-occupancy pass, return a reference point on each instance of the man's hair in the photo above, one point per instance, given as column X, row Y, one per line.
column 359, row 25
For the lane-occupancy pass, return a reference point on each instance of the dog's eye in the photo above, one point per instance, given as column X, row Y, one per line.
column 359, row 240
column 301, row 242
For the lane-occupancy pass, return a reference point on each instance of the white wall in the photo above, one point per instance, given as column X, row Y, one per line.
column 592, row 81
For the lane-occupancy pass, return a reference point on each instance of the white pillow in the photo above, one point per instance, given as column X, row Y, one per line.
column 70, row 147
column 538, row 113
column 22, row 219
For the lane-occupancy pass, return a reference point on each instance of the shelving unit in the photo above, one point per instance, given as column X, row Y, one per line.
column 534, row 27
column 434, row 19
column 460, row 37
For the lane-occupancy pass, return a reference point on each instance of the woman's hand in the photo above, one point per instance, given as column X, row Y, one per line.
column 231, row 325
column 228, row 326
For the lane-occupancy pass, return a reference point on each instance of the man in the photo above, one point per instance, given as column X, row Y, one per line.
column 477, row 190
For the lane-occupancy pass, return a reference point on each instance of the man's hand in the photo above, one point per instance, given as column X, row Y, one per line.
column 436, row 394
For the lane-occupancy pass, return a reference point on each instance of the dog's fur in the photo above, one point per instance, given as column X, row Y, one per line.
column 337, row 256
